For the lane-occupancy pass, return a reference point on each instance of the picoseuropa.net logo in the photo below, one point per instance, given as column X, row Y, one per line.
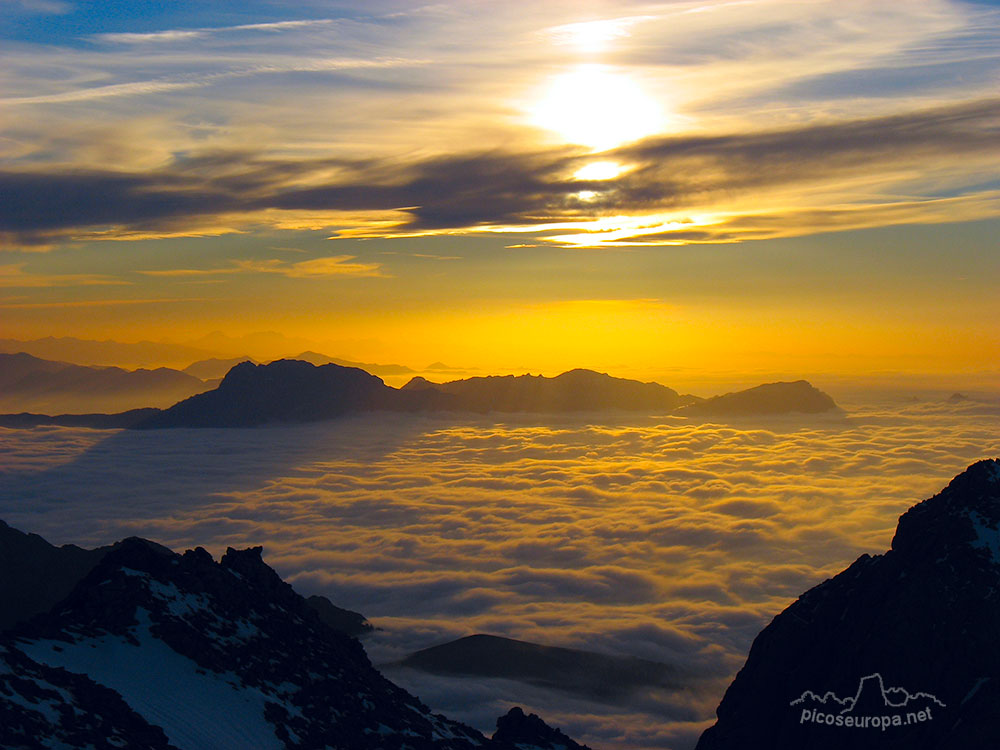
column 873, row 706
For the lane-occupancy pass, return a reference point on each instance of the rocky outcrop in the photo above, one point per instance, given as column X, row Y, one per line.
column 897, row 651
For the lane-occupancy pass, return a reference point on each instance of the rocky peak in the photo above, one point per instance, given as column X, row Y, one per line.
column 519, row 731
column 909, row 632
column 963, row 517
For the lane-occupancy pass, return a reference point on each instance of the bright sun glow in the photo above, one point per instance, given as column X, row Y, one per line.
column 599, row 170
column 591, row 36
column 596, row 106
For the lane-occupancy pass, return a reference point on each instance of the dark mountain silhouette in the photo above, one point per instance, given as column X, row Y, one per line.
column 770, row 398
column 290, row 391
column 912, row 632
column 28, row 383
column 155, row 649
column 598, row 676
column 341, row 620
column 214, row 368
column 576, row 390
column 36, row 575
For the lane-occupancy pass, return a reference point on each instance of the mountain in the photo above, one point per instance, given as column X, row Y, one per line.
column 36, row 574
column 342, row 620
column 770, row 398
column 289, row 391
column 28, row 383
column 519, row 731
column 598, row 676
column 899, row 651
column 576, row 390
column 104, row 353
column 152, row 649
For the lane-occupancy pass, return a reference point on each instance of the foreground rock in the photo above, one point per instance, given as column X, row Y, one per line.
column 899, row 651
column 152, row 649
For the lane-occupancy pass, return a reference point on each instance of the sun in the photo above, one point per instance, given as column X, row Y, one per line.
column 596, row 106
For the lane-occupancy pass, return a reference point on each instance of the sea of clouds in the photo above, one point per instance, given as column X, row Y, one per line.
column 648, row 536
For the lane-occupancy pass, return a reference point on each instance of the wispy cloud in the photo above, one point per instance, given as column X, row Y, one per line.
column 173, row 35
column 13, row 275
column 314, row 268
column 815, row 177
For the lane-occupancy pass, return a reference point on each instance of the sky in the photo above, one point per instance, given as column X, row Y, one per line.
column 755, row 185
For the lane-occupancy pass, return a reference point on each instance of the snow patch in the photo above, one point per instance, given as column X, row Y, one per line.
column 987, row 537
column 197, row 710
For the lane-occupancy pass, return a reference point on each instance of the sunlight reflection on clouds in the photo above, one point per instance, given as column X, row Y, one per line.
column 651, row 537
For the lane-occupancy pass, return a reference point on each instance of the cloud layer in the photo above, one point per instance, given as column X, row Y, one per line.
column 656, row 538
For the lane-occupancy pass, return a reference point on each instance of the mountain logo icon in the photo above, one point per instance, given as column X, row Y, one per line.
column 873, row 705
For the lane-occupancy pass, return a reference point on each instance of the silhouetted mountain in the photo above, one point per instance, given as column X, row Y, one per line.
column 36, row 575
column 31, row 384
column 152, row 649
column 106, row 353
column 290, row 391
column 576, row 390
column 342, row 620
column 214, row 368
column 599, row 676
column 770, row 398
column 910, row 635
column 517, row 731
column 381, row 370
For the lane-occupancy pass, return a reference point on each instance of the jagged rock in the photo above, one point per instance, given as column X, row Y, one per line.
column 153, row 649
column 909, row 632
column 519, row 731
column 341, row 620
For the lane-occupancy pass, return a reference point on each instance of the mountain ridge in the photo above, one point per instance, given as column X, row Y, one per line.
column 156, row 649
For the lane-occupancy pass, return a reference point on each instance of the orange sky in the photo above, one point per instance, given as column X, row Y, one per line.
column 702, row 187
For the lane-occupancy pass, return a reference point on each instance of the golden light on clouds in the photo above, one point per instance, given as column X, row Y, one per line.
column 600, row 170
column 598, row 106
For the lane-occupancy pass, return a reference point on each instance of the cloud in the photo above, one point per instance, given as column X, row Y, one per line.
column 315, row 268
column 174, row 35
column 13, row 275
column 667, row 540
column 679, row 189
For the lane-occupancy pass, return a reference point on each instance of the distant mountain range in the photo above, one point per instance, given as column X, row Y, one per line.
column 289, row 391
column 897, row 652
column 30, row 384
column 576, row 390
column 151, row 649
